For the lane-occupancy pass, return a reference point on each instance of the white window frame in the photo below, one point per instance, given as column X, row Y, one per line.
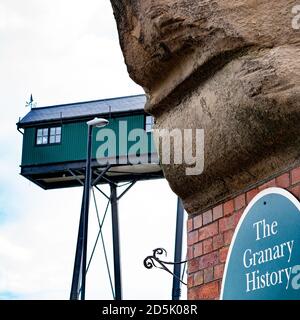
column 55, row 135
column 48, row 136
column 149, row 122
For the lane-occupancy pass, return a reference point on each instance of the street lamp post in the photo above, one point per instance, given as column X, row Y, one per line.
column 81, row 250
column 87, row 192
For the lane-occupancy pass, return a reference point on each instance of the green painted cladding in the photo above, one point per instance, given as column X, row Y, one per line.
column 74, row 140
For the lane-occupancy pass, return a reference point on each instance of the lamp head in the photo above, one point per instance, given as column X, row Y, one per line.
column 98, row 122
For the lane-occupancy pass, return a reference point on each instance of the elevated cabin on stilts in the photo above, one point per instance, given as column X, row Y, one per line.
column 54, row 155
column 55, row 143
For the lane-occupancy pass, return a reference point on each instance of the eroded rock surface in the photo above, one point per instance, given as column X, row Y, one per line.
column 231, row 68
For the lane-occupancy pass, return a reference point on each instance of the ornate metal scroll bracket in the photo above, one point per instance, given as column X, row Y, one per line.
column 154, row 261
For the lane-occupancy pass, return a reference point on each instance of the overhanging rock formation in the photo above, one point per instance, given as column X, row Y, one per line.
column 231, row 68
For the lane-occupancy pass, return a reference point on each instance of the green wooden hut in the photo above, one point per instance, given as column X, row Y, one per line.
column 55, row 142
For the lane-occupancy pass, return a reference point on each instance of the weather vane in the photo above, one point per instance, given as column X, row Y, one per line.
column 30, row 103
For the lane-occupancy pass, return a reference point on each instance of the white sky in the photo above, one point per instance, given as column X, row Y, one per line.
column 66, row 51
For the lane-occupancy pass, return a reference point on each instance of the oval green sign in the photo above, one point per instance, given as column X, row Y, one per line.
column 263, row 261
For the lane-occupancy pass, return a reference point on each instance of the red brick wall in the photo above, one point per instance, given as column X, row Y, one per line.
column 210, row 233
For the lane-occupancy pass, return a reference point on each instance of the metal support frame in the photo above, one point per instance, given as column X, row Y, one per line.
column 176, row 291
column 80, row 269
column 79, row 276
column 116, row 241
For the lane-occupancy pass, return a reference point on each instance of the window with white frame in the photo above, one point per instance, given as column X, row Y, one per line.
column 149, row 122
column 55, row 135
column 42, row 136
column 48, row 135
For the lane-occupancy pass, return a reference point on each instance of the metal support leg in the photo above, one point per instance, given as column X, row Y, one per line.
column 78, row 260
column 116, row 242
column 176, row 291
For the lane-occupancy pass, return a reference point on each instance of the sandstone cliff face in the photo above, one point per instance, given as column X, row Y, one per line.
column 231, row 68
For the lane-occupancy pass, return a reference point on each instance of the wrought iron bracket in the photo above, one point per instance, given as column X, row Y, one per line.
column 155, row 261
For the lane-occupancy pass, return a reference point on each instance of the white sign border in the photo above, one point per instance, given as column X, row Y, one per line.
column 261, row 194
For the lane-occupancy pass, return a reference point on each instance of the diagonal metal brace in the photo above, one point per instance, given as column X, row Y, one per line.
column 127, row 189
column 105, row 195
column 101, row 175
column 76, row 177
